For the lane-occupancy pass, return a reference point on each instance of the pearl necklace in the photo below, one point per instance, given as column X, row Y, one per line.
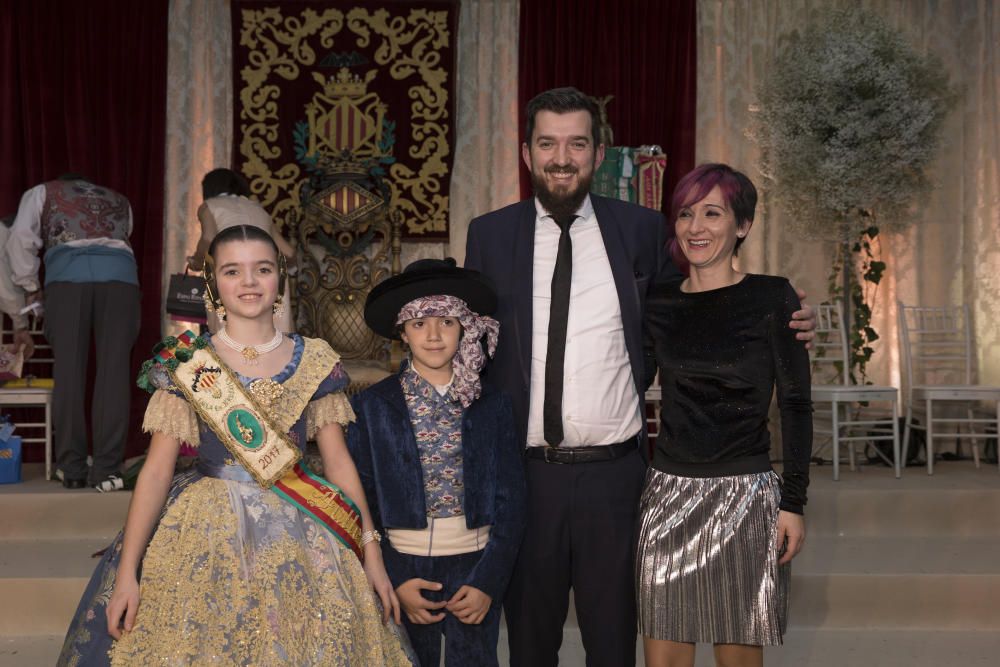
column 250, row 352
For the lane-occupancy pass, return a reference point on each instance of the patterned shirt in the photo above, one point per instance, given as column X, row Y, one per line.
column 437, row 426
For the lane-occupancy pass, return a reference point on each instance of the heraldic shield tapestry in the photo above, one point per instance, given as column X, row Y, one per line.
column 365, row 81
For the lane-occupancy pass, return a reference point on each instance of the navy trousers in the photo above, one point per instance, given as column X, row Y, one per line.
column 464, row 645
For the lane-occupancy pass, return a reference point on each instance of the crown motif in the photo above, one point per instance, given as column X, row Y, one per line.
column 344, row 163
column 345, row 84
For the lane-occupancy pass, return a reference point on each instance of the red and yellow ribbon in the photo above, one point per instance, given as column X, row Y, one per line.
column 323, row 501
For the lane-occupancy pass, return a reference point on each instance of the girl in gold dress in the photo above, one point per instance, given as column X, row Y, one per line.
column 248, row 558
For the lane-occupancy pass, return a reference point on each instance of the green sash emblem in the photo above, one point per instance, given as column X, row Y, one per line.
column 245, row 428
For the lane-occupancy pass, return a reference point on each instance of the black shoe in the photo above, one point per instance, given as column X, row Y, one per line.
column 74, row 483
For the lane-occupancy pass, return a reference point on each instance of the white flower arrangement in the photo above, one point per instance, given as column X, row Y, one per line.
column 848, row 120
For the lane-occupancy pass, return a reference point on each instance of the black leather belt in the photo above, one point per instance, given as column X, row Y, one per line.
column 564, row 455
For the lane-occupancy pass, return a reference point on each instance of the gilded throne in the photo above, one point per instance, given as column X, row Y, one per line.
column 349, row 237
column 348, row 242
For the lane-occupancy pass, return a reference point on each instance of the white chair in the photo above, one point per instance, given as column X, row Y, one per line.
column 937, row 358
column 846, row 416
column 30, row 392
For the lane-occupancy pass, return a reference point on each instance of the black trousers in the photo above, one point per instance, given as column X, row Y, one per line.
column 580, row 535
column 73, row 311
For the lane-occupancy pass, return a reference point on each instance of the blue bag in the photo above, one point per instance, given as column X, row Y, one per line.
column 10, row 453
column 10, row 460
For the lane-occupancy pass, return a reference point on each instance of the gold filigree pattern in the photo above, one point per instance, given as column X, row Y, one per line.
column 266, row 391
column 235, row 576
column 408, row 47
column 171, row 415
column 330, row 409
column 318, row 360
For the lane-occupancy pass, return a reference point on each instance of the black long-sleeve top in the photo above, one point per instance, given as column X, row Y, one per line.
column 720, row 354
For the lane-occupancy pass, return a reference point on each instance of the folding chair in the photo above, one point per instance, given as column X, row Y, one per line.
column 32, row 392
column 846, row 415
column 937, row 359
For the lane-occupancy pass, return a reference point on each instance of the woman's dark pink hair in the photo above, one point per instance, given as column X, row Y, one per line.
column 738, row 191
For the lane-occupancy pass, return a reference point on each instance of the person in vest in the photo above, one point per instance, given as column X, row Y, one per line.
column 91, row 290
column 12, row 301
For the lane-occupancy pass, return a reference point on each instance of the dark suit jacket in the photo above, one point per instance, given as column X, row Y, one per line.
column 501, row 245
column 385, row 452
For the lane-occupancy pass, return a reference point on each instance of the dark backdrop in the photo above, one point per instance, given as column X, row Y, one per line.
column 641, row 51
column 83, row 89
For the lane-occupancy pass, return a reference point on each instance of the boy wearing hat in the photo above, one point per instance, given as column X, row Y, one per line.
column 439, row 461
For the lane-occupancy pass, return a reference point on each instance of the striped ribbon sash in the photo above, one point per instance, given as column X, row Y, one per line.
column 323, row 501
column 265, row 451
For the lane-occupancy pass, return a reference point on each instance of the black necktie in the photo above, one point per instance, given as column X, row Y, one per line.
column 558, row 317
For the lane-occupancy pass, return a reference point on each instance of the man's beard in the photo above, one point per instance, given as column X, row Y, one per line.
column 561, row 203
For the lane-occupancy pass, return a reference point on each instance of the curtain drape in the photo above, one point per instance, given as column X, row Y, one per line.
column 951, row 254
column 199, row 119
column 641, row 51
column 487, row 154
column 82, row 88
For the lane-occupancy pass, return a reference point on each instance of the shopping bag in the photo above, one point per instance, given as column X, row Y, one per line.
column 185, row 298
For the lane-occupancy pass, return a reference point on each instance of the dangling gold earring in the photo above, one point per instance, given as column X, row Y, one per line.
column 211, row 304
column 278, row 308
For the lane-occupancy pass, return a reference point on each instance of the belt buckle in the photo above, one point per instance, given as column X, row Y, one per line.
column 549, row 449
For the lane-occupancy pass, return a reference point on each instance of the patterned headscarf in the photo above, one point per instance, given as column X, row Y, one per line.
column 469, row 359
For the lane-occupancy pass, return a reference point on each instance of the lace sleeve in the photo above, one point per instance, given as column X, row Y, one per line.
column 328, row 409
column 171, row 415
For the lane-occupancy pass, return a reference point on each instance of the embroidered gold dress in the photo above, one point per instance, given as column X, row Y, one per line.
column 234, row 575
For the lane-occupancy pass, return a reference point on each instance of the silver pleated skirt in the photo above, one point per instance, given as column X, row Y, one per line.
column 707, row 562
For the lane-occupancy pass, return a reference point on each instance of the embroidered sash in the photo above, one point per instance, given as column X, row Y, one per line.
column 250, row 435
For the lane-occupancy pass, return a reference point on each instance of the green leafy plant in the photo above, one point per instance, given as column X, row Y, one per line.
column 849, row 117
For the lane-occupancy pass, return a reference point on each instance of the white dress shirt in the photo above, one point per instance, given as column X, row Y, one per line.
column 600, row 404
column 11, row 296
column 26, row 239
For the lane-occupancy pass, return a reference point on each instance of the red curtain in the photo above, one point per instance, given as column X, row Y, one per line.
column 641, row 51
column 83, row 89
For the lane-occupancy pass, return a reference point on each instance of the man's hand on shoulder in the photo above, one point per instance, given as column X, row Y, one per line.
column 804, row 321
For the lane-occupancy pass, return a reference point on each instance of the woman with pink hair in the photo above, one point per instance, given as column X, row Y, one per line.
column 717, row 526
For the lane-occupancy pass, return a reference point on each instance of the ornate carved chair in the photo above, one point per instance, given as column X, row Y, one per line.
column 348, row 241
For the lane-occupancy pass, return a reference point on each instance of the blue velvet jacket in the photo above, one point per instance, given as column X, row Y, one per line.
column 385, row 452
